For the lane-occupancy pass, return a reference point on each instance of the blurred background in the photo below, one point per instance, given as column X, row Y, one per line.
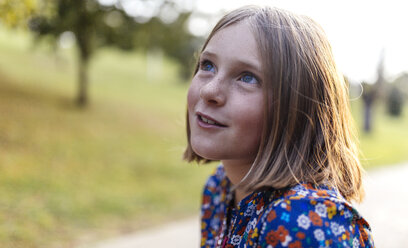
column 93, row 102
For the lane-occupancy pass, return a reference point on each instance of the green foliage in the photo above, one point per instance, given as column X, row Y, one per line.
column 16, row 13
column 395, row 102
column 95, row 25
column 401, row 83
column 388, row 141
column 115, row 167
column 173, row 39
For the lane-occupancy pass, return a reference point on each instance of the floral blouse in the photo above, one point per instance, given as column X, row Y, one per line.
column 302, row 216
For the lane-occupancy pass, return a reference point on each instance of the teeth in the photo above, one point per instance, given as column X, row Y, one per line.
column 207, row 120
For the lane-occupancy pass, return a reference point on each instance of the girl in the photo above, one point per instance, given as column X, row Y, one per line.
column 267, row 101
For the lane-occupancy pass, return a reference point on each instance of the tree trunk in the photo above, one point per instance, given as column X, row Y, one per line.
column 83, row 36
column 367, row 115
column 82, row 97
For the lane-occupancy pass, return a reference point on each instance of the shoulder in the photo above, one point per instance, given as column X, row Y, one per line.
column 215, row 189
column 216, row 178
column 309, row 216
column 213, row 205
column 216, row 182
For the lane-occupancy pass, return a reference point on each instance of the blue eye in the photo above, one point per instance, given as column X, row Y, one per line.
column 249, row 78
column 207, row 66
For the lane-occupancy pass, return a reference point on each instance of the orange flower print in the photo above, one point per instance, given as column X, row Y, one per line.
column 300, row 235
column 296, row 244
column 207, row 214
column 266, row 219
column 289, row 193
column 315, row 218
column 271, row 238
column 206, row 199
column 346, row 235
column 322, row 193
column 271, row 215
column 364, row 235
column 281, row 233
column 308, row 186
column 242, row 230
column 361, row 239
column 329, row 203
column 260, row 204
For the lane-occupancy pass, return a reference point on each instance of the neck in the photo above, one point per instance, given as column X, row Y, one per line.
column 236, row 171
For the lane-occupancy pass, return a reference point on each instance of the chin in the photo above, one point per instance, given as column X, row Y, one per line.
column 207, row 152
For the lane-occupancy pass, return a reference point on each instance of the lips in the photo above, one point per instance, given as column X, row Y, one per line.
column 207, row 120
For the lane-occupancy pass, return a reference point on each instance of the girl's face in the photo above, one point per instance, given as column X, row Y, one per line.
column 225, row 99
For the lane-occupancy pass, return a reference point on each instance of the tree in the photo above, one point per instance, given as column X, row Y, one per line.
column 370, row 94
column 173, row 39
column 397, row 95
column 16, row 13
column 395, row 102
column 401, row 82
column 95, row 25
column 89, row 22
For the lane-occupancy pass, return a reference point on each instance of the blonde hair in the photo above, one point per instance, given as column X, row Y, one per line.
column 307, row 133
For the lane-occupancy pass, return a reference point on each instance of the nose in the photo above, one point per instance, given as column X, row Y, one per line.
column 213, row 93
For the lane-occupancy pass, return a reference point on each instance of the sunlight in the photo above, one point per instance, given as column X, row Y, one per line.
column 357, row 30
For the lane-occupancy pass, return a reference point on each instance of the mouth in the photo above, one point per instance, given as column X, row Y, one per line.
column 206, row 120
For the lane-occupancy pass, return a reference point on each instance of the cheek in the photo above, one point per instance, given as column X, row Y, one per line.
column 192, row 96
column 252, row 122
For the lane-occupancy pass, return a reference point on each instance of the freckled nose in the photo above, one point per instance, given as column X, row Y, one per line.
column 212, row 92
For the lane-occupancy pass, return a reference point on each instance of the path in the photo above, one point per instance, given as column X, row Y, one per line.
column 385, row 208
column 181, row 234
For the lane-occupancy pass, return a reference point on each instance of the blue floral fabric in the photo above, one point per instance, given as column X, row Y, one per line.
column 302, row 216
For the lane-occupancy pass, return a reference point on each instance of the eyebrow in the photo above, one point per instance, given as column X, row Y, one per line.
column 243, row 63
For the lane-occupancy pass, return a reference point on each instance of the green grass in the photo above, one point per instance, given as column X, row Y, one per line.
column 388, row 142
column 113, row 167
column 67, row 175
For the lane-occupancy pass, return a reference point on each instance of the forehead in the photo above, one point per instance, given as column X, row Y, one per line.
column 236, row 42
